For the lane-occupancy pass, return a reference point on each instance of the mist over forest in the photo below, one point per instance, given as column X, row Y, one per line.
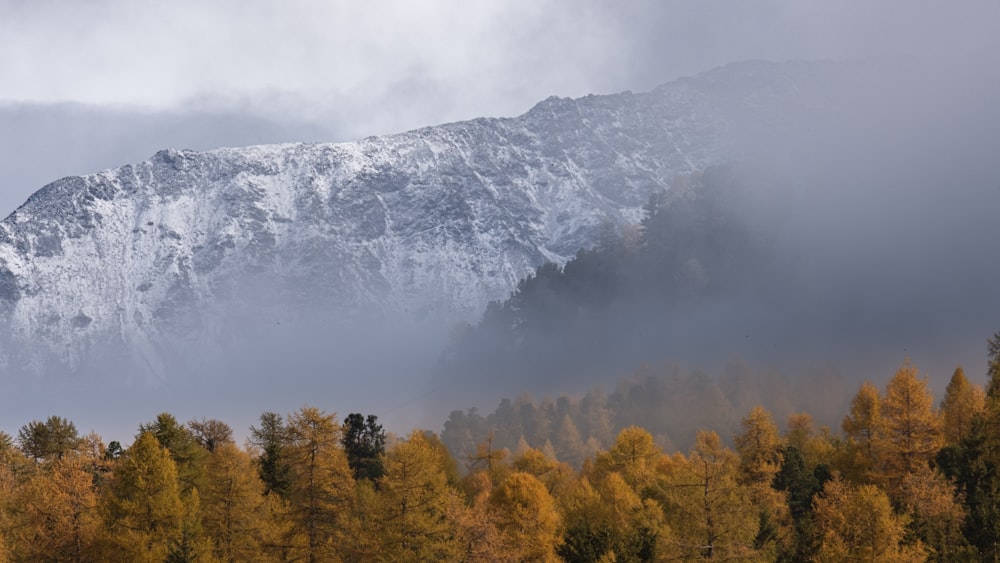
column 850, row 234
column 853, row 240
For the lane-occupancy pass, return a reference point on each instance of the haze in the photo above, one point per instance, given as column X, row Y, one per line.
column 892, row 247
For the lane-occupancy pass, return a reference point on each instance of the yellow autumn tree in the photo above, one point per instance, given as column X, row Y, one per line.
column 759, row 448
column 527, row 517
column 634, row 456
column 554, row 474
column 193, row 544
column 857, row 523
column 610, row 522
column 710, row 513
column 321, row 487
column 489, row 458
column 863, row 429
column 8, row 457
column 936, row 515
column 235, row 512
column 760, row 453
column 911, row 429
column 477, row 525
column 962, row 402
column 57, row 517
column 413, row 495
column 799, row 430
column 142, row 506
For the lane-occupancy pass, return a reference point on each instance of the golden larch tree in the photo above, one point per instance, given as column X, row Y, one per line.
column 477, row 525
column 857, row 523
column 142, row 506
column 962, row 402
column 57, row 518
column 911, row 433
column 936, row 516
column 610, row 522
column 710, row 514
column 863, row 428
column 413, row 520
column 569, row 446
column 8, row 458
column 759, row 448
column 634, row 455
column 321, row 486
column 235, row 512
column 554, row 474
column 527, row 517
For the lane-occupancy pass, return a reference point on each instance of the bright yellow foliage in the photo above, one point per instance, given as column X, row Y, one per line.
column 759, row 448
column 321, row 489
column 962, row 402
column 863, row 428
column 711, row 514
column 233, row 507
column 858, row 524
column 527, row 517
column 911, row 429
column 634, row 455
column 142, row 506
column 58, row 518
column 414, row 497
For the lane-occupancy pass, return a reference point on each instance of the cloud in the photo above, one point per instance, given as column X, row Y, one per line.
column 390, row 65
column 338, row 57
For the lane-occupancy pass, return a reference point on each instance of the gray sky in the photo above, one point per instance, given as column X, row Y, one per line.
column 90, row 85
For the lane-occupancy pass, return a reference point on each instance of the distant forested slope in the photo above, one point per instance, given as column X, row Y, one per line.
column 702, row 252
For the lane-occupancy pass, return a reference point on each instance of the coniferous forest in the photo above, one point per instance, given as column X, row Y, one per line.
column 905, row 477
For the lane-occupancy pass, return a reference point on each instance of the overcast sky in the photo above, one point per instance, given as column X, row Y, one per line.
column 90, row 85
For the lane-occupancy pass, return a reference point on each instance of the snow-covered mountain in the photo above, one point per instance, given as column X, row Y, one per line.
column 428, row 224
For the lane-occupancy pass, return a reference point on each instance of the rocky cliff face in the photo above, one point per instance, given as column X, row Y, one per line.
column 428, row 224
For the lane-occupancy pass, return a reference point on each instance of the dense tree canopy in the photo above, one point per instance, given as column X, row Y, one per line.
column 891, row 487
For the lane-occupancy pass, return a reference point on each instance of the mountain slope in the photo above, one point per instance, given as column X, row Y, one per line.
column 429, row 224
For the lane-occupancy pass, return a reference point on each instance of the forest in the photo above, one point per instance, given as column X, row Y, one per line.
column 904, row 479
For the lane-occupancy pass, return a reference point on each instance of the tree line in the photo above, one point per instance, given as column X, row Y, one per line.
column 904, row 480
column 670, row 402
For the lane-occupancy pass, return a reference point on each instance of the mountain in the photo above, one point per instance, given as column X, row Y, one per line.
column 141, row 262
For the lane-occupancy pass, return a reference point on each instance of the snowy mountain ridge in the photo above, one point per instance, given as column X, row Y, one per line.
column 431, row 223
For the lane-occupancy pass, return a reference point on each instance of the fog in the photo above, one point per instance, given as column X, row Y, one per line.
column 893, row 230
column 320, row 358
column 874, row 231
column 875, row 217
column 880, row 214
